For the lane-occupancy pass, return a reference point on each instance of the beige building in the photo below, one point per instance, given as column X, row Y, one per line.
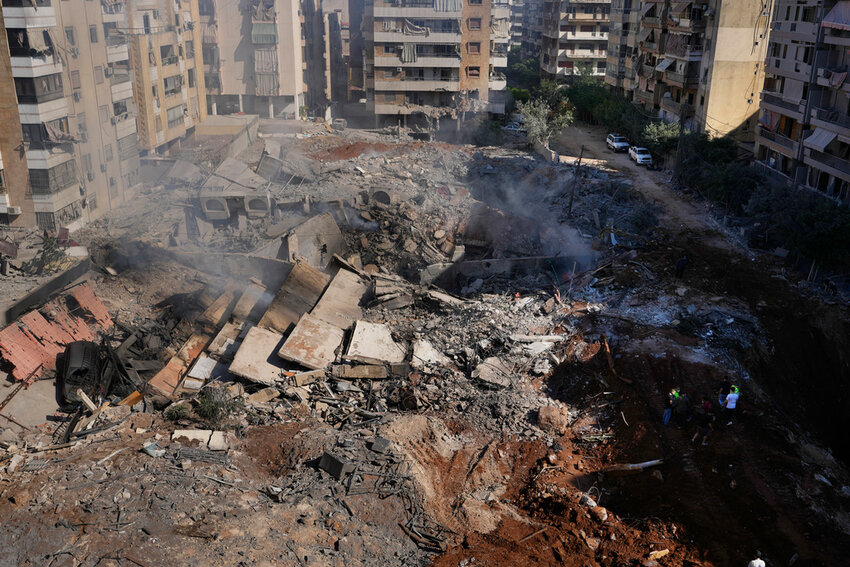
column 75, row 113
column 699, row 62
column 574, row 38
column 435, row 57
column 532, row 29
column 164, row 37
column 804, row 129
column 254, row 56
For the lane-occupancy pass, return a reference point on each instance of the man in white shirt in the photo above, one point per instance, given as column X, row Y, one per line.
column 756, row 562
column 730, row 403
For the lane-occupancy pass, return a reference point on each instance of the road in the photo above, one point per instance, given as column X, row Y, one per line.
column 679, row 212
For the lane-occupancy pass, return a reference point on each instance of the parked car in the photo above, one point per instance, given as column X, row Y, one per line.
column 617, row 143
column 515, row 128
column 642, row 156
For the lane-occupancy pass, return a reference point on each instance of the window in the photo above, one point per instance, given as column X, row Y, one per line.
column 587, row 29
column 473, row 23
column 87, row 167
column 75, row 79
column 474, row 2
column 92, row 202
column 473, row 47
column 98, row 74
column 103, row 114
column 172, row 85
column 191, row 74
column 175, row 116
column 107, row 152
column 81, row 126
column 146, row 22
column 70, row 36
column 190, row 49
column 93, row 34
column 47, row 181
column 473, row 71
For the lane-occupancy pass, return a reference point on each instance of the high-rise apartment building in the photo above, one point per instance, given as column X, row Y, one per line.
column 575, row 38
column 255, row 56
column 699, row 62
column 804, row 131
column 165, row 36
column 427, row 56
column 517, row 15
column 75, row 132
column 532, row 29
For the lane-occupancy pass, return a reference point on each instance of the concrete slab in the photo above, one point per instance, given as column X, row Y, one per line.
column 494, row 372
column 257, row 360
column 340, row 304
column 31, row 406
column 226, row 342
column 201, row 435
column 251, row 305
column 312, row 344
column 315, row 240
column 372, row 343
column 298, row 295
column 424, row 355
column 221, row 440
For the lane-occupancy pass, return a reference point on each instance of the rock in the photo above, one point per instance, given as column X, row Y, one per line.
column 438, row 234
column 264, row 395
column 592, row 542
column 553, row 419
column 600, row 513
column 410, row 245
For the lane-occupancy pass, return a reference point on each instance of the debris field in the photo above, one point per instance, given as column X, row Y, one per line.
column 419, row 354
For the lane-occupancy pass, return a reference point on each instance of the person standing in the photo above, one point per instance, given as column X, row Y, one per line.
column 757, row 561
column 705, row 419
column 730, row 403
column 725, row 386
column 668, row 409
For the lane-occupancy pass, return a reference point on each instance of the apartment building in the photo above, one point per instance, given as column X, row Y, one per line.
column 517, row 15
column 337, row 34
column 532, row 29
column 803, row 135
column 164, row 36
column 623, row 54
column 575, row 38
column 431, row 57
column 697, row 62
column 75, row 126
column 255, row 56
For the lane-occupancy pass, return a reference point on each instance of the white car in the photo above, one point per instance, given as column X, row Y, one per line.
column 516, row 128
column 617, row 143
column 640, row 155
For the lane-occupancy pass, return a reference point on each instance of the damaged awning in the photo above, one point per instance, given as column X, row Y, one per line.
column 839, row 17
column 665, row 64
column 408, row 53
column 820, row 139
column 447, row 5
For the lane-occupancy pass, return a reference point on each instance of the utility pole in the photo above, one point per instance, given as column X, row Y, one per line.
column 680, row 150
column 575, row 181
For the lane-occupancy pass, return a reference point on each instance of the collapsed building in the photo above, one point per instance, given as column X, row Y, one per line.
column 382, row 351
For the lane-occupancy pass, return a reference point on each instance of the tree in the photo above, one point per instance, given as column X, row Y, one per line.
column 542, row 122
column 660, row 137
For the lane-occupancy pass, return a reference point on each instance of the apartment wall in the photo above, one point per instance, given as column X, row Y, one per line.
column 15, row 172
column 470, row 61
column 739, row 42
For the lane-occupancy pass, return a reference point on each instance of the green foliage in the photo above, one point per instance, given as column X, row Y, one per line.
column 522, row 73
column 543, row 121
column 660, row 137
column 176, row 412
column 519, row 95
column 215, row 404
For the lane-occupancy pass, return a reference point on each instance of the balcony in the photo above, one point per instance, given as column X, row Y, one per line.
column 414, row 9
column 673, row 107
column 686, row 25
column 647, row 97
column 116, row 53
column 122, row 91
column 831, row 164
column 42, row 15
column 418, row 85
column 788, row 68
column 401, row 37
column 170, row 60
column 777, row 142
column 687, row 52
column 43, row 111
column 452, row 61
column 833, row 36
column 833, row 120
column 652, row 22
column 580, row 55
column 498, row 60
column 47, row 158
column 497, row 82
column 689, row 79
column 795, row 31
column 835, row 77
column 112, row 11
column 774, row 101
column 125, row 125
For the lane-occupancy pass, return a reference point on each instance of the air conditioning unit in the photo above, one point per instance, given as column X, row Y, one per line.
column 75, row 52
column 108, row 71
column 103, row 168
column 13, row 211
column 77, row 96
column 90, row 175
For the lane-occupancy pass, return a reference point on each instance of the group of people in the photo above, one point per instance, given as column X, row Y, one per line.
column 678, row 409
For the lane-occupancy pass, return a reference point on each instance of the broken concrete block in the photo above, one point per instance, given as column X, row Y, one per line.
column 365, row 371
column 380, row 445
column 553, row 419
column 494, row 372
column 221, row 441
column 424, row 354
column 200, row 435
column 304, row 378
column 373, row 343
column 256, row 359
column 264, row 395
column 335, row 466
column 340, row 304
column 312, row 343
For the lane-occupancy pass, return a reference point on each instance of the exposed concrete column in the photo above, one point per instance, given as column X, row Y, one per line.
column 241, row 108
column 271, row 107
column 214, row 107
